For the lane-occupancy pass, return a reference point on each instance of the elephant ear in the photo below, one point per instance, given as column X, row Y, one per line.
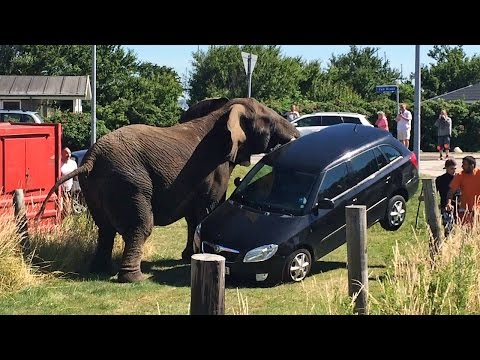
column 236, row 132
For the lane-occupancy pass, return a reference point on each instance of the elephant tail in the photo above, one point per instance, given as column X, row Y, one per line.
column 86, row 167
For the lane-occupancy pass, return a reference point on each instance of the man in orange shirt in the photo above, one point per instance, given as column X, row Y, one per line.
column 468, row 181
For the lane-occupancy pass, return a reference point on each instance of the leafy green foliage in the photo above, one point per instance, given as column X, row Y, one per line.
column 452, row 70
column 128, row 91
column 76, row 128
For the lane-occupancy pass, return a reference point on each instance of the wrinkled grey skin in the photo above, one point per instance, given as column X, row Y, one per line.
column 139, row 176
column 202, row 108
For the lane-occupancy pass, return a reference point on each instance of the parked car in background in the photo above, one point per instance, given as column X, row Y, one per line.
column 78, row 203
column 309, row 123
column 20, row 116
column 289, row 210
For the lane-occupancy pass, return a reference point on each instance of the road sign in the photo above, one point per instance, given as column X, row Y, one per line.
column 253, row 61
column 386, row 88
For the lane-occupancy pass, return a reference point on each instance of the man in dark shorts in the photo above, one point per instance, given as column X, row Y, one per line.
column 444, row 132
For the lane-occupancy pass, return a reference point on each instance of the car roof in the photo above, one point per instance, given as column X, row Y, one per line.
column 19, row 111
column 314, row 152
column 332, row 113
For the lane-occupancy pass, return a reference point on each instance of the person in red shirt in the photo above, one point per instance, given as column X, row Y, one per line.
column 468, row 182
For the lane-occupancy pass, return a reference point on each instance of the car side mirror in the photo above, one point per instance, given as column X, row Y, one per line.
column 237, row 181
column 295, row 124
column 325, row 204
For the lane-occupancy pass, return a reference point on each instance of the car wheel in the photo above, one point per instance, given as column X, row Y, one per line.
column 395, row 215
column 298, row 265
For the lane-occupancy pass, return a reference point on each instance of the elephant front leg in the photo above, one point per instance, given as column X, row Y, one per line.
column 188, row 251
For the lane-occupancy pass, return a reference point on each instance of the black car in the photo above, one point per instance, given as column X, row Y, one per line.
column 290, row 207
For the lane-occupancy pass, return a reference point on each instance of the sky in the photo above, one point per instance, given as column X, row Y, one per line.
column 401, row 57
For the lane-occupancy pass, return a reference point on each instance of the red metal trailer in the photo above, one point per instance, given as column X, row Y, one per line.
column 30, row 158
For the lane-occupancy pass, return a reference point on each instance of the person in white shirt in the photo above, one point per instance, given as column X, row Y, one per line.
column 404, row 124
column 293, row 113
column 68, row 165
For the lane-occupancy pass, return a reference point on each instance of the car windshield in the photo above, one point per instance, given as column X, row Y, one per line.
column 275, row 189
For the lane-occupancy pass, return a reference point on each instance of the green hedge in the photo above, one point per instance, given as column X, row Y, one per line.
column 76, row 128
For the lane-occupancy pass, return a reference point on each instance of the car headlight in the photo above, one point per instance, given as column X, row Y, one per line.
column 196, row 239
column 261, row 253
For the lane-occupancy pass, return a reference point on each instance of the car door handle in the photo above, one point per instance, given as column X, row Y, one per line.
column 388, row 179
column 354, row 200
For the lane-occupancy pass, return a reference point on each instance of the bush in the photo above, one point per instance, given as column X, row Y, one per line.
column 76, row 128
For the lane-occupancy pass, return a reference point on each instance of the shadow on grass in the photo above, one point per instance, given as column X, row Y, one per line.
column 175, row 272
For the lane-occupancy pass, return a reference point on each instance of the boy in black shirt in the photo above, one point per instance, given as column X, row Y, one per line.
column 442, row 184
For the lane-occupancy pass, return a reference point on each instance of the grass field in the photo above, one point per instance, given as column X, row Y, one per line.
column 60, row 289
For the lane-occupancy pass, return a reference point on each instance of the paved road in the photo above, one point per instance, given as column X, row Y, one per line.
column 430, row 164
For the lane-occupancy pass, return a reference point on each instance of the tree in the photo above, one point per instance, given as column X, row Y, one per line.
column 362, row 70
column 452, row 70
column 128, row 91
column 219, row 71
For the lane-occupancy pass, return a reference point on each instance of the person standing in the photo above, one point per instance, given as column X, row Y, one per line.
column 68, row 165
column 468, row 182
column 293, row 113
column 444, row 132
column 382, row 122
column 404, row 124
column 442, row 182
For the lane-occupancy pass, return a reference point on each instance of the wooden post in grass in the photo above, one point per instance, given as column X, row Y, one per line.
column 433, row 216
column 356, row 222
column 207, row 285
column 21, row 219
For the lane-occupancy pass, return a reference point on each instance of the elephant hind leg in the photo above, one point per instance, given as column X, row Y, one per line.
column 102, row 260
column 132, row 254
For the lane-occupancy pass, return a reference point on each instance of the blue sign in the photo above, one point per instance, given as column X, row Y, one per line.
column 386, row 88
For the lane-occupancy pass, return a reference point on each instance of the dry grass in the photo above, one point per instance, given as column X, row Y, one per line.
column 70, row 246
column 448, row 285
column 16, row 271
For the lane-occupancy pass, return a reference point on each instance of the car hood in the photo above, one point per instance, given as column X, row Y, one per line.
column 242, row 228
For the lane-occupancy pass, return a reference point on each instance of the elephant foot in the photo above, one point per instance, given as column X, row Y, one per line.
column 130, row 276
column 187, row 254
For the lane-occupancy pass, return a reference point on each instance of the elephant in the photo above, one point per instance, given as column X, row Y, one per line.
column 139, row 176
column 202, row 108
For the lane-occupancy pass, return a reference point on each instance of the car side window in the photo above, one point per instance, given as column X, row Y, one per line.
column 351, row 120
column 328, row 120
column 13, row 117
column 309, row 121
column 363, row 165
column 390, row 152
column 335, row 182
column 381, row 159
column 27, row 118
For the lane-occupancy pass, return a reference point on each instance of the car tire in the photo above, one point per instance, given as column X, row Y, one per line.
column 395, row 214
column 297, row 266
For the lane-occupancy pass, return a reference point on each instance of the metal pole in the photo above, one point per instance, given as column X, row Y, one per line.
column 417, row 105
column 249, row 75
column 93, row 138
column 398, row 99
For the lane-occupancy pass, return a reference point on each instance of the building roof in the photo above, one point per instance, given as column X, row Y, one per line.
column 67, row 87
column 470, row 93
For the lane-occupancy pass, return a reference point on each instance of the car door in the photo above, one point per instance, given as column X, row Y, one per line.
column 327, row 231
column 370, row 184
column 308, row 124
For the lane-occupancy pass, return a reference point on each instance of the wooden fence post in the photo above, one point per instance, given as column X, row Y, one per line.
column 207, row 285
column 21, row 219
column 433, row 216
column 356, row 223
